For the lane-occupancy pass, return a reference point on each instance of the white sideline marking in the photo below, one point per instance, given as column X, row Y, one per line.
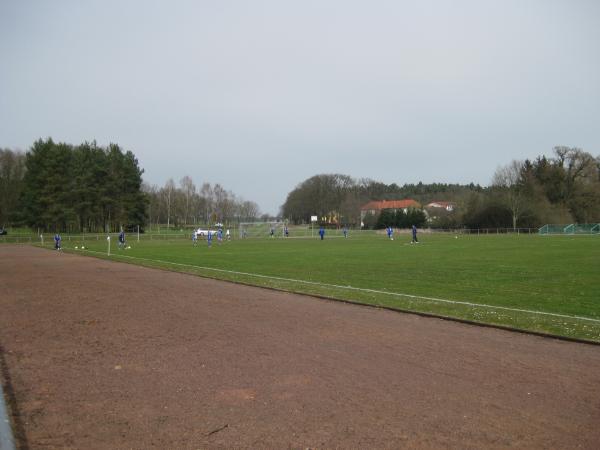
column 352, row 288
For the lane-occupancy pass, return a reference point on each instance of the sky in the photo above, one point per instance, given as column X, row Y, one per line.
column 260, row 95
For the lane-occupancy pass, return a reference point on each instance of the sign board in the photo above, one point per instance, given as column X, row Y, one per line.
column 313, row 218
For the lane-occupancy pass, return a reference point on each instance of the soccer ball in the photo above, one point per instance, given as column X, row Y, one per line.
column 76, row 247
column 392, row 239
column 128, row 247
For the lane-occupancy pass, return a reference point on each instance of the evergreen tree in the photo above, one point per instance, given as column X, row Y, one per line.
column 81, row 188
column 386, row 219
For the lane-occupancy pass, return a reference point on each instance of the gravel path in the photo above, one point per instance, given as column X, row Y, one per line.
column 103, row 355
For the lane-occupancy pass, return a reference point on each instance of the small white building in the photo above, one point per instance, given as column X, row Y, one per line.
column 448, row 206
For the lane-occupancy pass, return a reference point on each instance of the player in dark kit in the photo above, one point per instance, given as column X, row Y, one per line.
column 122, row 239
column 414, row 235
column 57, row 240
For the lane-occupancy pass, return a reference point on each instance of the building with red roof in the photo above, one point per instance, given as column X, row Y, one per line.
column 376, row 206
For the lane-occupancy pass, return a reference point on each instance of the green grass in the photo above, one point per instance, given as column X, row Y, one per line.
column 542, row 274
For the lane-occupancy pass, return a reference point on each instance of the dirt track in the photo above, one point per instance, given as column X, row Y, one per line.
column 109, row 355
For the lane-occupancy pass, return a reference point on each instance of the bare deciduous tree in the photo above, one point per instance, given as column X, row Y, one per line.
column 248, row 210
column 168, row 194
column 189, row 190
column 508, row 179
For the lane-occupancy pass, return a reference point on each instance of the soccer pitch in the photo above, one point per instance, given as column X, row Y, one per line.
column 530, row 282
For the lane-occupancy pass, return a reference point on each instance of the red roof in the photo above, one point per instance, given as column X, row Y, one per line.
column 391, row 204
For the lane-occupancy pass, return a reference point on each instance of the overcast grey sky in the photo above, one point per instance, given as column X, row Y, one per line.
column 260, row 95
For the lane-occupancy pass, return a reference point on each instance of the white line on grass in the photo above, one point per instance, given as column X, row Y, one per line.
column 352, row 288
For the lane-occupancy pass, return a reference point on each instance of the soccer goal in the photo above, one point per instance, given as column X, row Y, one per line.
column 572, row 228
column 586, row 228
column 260, row 229
column 553, row 228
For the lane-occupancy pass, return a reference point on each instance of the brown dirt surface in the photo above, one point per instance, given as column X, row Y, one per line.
column 105, row 355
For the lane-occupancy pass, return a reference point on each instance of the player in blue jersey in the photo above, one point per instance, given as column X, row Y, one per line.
column 345, row 232
column 121, row 239
column 209, row 238
column 322, row 233
column 390, row 233
column 414, row 235
column 57, row 241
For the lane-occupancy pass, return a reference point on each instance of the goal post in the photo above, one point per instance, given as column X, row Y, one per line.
column 260, row 229
column 569, row 229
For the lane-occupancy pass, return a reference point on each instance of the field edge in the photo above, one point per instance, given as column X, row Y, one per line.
column 198, row 273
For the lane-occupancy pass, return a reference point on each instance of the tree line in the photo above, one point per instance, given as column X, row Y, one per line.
column 396, row 219
column 341, row 197
column 186, row 205
column 58, row 186
column 89, row 188
column 563, row 188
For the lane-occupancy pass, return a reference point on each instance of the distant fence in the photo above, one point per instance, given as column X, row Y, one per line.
column 32, row 238
column 295, row 231
column 484, row 231
column 570, row 228
column 306, row 231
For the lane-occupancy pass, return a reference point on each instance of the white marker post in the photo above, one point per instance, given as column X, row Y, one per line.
column 108, row 239
column 313, row 219
column 42, row 239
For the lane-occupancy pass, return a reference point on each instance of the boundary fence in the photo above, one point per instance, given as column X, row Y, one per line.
column 296, row 231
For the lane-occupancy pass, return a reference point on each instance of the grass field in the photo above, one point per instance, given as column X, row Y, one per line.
column 538, row 283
